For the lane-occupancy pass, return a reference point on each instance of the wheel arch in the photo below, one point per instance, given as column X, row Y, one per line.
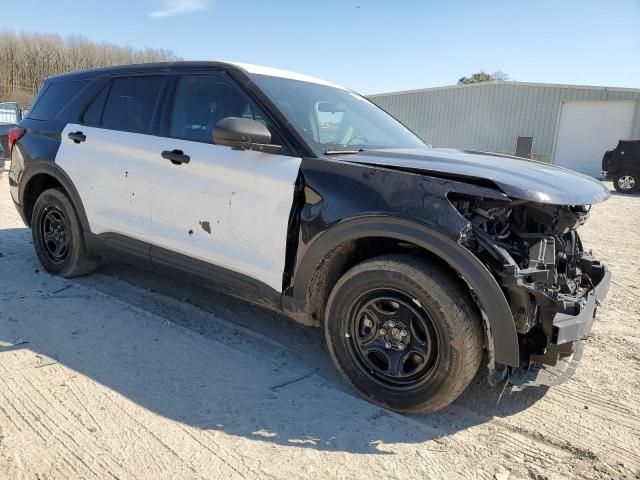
column 42, row 175
column 326, row 254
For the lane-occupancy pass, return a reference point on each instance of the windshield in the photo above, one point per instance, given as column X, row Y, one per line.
column 332, row 119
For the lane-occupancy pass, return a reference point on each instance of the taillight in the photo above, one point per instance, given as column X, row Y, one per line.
column 15, row 133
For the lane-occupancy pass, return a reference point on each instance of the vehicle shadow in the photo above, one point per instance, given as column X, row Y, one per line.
column 210, row 361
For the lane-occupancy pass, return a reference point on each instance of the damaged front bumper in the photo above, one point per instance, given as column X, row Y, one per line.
column 559, row 361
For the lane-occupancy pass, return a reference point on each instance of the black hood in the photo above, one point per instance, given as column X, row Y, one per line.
column 516, row 177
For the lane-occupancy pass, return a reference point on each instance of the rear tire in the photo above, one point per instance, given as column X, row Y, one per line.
column 627, row 182
column 404, row 333
column 58, row 237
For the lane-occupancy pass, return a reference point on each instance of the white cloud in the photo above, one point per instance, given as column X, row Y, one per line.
column 168, row 8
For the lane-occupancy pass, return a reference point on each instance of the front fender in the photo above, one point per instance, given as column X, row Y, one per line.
column 486, row 289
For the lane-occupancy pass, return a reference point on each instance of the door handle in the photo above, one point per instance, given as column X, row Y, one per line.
column 177, row 157
column 77, row 137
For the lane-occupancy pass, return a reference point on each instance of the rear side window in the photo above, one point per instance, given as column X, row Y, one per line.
column 53, row 98
column 131, row 103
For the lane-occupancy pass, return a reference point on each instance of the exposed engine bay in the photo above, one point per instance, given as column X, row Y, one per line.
column 535, row 253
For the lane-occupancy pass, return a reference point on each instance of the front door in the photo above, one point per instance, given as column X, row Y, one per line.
column 227, row 207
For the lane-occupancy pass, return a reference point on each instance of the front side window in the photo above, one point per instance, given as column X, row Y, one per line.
column 201, row 101
column 331, row 118
column 131, row 103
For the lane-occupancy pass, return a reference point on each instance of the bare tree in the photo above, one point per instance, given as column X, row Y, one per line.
column 500, row 76
column 27, row 58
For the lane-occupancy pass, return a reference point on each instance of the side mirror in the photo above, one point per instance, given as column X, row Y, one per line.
column 243, row 134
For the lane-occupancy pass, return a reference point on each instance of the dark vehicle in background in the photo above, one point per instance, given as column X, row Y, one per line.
column 304, row 197
column 622, row 165
column 10, row 115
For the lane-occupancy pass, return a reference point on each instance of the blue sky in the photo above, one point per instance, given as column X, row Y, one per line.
column 370, row 45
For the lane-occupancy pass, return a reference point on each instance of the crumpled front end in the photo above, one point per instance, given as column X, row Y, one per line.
column 552, row 283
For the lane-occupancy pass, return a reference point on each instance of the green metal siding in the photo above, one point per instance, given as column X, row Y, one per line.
column 490, row 116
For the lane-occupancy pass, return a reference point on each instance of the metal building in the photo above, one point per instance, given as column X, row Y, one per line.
column 568, row 125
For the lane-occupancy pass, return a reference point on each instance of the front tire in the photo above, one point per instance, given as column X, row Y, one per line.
column 58, row 238
column 627, row 182
column 404, row 333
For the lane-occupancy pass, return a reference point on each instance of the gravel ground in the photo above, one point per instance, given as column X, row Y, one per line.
column 126, row 374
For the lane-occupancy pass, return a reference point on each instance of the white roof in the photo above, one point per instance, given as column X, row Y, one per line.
column 276, row 72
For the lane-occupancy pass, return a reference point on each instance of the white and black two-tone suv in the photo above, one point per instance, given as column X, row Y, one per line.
column 304, row 197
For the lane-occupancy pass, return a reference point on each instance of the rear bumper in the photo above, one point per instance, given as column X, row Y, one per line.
column 565, row 349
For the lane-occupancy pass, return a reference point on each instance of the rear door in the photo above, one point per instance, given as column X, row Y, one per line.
column 110, row 155
column 226, row 207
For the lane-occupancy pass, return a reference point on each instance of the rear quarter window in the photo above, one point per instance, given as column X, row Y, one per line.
column 53, row 97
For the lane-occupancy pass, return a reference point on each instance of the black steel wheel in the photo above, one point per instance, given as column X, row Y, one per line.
column 54, row 234
column 404, row 333
column 393, row 337
column 58, row 237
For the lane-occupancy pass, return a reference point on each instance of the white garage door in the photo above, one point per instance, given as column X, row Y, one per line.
column 587, row 130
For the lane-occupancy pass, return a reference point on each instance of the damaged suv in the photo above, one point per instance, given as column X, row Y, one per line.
column 304, row 197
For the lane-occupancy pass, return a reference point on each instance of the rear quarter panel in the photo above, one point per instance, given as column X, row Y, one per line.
column 40, row 142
